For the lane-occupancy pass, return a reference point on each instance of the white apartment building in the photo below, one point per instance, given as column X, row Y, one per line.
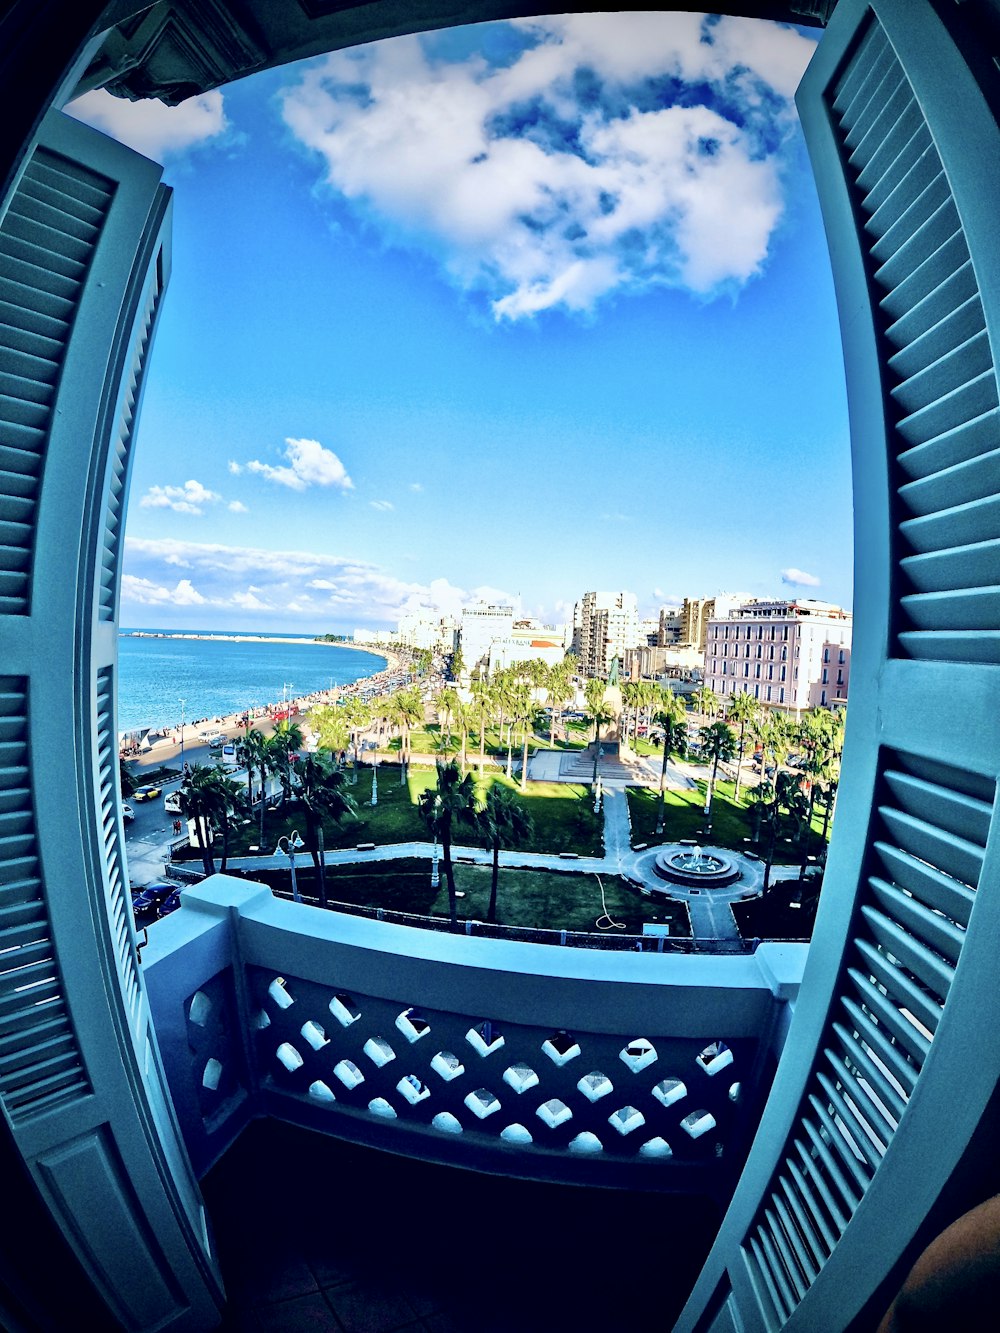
column 426, row 628
column 790, row 654
column 529, row 640
column 605, row 626
column 481, row 624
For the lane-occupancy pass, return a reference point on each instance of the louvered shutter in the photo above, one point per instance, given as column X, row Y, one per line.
column 893, row 1054
column 84, row 256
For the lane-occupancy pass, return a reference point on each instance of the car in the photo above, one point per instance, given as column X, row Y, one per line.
column 169, row 904
column 172, row 803
column 128, row 814
column 146, row 793
column 149, row 897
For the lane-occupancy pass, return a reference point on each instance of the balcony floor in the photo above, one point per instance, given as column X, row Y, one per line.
column 314, row 1234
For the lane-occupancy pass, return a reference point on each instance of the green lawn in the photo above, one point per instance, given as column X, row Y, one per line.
column 529, row 899
column 731, row 822
column 562, row 813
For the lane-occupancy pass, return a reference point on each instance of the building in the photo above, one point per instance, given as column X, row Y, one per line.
column 481, row 625
column 790, row 654
column 425, row 628
column 670, row 626
column 527, row 641
column 879, row 1129
column 605, row 626
column 695, row 614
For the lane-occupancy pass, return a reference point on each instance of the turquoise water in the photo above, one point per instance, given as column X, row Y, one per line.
column 216, row 676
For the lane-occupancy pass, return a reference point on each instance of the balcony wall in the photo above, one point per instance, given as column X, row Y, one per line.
column 646, row 1071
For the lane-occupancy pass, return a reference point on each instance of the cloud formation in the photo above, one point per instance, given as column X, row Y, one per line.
column 151, row 127
column 309, row 464
column 611, row 152
column 798, row 578
column 190, row 498
column 382, row 505
column 328, row 590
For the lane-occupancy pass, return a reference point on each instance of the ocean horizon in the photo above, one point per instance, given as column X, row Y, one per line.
column 167, row 672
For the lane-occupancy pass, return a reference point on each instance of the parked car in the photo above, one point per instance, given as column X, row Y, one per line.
column 128, row 814
column 169, row 904
column 172, row 803
column 149, row 897
column 146, row 793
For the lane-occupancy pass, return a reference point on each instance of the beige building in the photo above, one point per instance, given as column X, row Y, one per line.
column 605, row 626
column 790, row 654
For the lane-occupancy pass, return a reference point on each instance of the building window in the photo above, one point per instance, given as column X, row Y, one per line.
column 840, row 678
column 826, row 675
column 784, row 654
column 781, row 696
column 756, row 671
column 783, row 670
column 826, row 654
column 842, row 657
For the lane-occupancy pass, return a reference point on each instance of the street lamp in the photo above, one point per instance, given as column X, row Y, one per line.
column 284, row 696
column 375, row 776
column 293, row 843
column 597, row 795
column 183, row 704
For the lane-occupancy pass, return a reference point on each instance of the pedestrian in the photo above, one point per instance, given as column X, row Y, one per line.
column 177, row 826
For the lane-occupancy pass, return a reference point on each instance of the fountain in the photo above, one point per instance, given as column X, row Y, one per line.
column 692, row 866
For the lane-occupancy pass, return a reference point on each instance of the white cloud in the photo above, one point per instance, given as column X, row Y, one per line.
column 799, row 578
column 383, row 505
column 235, row 468
column 237, row 507
column 151, row 127
column 545, row 195
column 187, row 499
column 147, row 593
column 416, row 486
column 309, row 464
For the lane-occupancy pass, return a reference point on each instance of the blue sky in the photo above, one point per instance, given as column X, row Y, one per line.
column 516, row 310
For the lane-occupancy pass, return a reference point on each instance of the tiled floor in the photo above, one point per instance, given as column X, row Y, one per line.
column 317, row 1235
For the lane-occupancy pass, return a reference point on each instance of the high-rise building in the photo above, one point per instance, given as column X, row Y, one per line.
column 791, row 654
column 481, row 624
column 605, row 625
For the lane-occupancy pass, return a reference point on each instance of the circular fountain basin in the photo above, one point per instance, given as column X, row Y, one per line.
column 696, row 868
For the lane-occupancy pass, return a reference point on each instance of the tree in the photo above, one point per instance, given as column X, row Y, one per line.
column 671, row 716
column 319, row 786
column 482, row 711
column 207, row 796
column 409, row 713
column 776, row 738
column 706, row 701
column 284, row 741
column 333, row 731
column 447, row 702
column 457, row 663
column 718, row 743
column 742, row 708
column 451, row 799
column 561, row 691
column 251, row 751
column 359, row 718
column 503, row 822
column 600, row 712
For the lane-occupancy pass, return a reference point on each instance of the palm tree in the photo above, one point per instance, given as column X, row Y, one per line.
column 742, row 708
column 600, row 712
column 776, row 739
column 503, row 822
column 718, row 743
column 410, row 713
column 232, row 801
column 319, row 787
column 560, row 690
column 482, row 709
column 333, row 732
column 447, row 702
column 200, row 801
column 451, row 798
column 672, row 717
column 285, row 740
column 706, row 701
column 359, row 718
column 126, row 781
column 251, row 750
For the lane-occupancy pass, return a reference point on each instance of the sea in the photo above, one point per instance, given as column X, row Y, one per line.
column 214, row 677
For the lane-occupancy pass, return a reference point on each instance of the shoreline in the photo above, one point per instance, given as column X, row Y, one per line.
column 169, row 739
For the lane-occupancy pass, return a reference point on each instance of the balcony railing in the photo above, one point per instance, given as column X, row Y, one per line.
column 647, row 1071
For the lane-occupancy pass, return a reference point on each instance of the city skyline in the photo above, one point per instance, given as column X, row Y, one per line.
column 506, row 312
